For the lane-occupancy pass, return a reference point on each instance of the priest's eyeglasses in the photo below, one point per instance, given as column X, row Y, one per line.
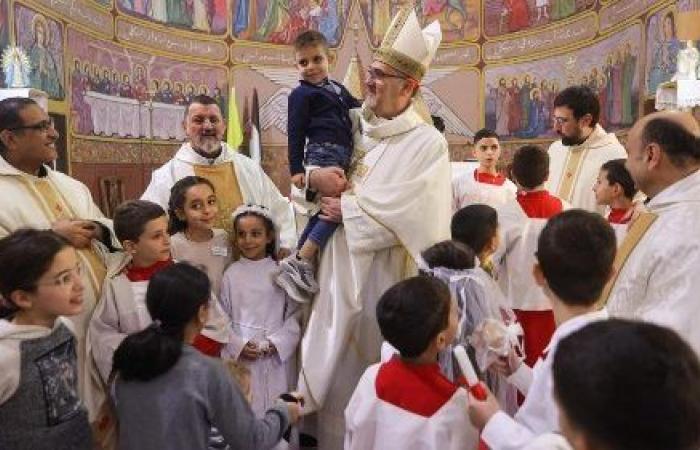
column 43, row 126
column 378, row 74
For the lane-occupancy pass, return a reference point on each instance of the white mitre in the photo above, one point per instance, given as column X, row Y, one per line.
column 408, row 48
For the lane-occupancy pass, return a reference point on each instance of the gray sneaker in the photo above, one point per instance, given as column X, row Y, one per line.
column 286, row 282
column 300, row 272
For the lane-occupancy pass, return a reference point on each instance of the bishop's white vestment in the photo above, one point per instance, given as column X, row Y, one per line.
column 573, row 169
column 252, row 186
column 399, row 206
column 659, row 282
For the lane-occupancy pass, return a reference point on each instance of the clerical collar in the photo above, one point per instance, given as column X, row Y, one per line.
column 42, row 173
column 211, row 157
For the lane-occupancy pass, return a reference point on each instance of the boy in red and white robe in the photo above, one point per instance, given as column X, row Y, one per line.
column 484, row 185
column 406, row 403
column 521, row 221
column 615, row 189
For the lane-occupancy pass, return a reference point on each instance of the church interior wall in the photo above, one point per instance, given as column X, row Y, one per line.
column 119, row 73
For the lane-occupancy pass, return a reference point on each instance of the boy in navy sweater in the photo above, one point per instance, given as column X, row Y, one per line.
column 318, row 122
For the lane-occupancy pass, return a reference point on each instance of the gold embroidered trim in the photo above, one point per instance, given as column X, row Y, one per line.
column 400, row 62
column 635, row 233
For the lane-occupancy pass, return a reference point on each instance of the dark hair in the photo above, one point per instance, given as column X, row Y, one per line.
column 681, row 145
column 201, row 99
column 485, row 133
column 173, row 298
column 629, row 385
column 530, row 166
column 475, row 226
column 616, row 172
column 581, row 100
column 412, row 312
column 10, row 108
column 310, row 38
column 575, row 251
column 438, row 123
column 131, row 217
column 449, row 254
column 25, row 256
column 178, row 193
column 269, row 226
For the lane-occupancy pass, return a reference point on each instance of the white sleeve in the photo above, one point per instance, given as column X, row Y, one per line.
column 104, row 331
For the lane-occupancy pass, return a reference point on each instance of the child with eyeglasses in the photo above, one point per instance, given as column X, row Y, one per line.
column 39, row 404
column 320, row 135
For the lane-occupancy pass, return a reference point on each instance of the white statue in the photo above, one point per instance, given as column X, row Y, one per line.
column 15, row 64
column 688, row 60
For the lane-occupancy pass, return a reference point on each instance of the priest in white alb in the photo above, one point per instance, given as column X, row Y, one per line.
column 398, row 204
column 237, row 179
column 658, row 263
column 575, row 160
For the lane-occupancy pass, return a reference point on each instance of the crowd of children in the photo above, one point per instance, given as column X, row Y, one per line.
column 196, row 334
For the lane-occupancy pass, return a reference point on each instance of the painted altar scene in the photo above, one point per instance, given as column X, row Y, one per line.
column 508, row 16
column 519, row 98
column 117, row 92
column 207, row 16
column 459, row 19
column 662, row 48
column 280, row 21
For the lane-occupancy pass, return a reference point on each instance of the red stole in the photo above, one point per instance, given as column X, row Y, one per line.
column 487, row 178
column 418, row 388
column 620, row 215
column 145, row 273
column 539, row 204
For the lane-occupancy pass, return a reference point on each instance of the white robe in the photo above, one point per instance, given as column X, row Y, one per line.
column 659, row 282
column 256, row 187
column 538, row 413
column 373, row 423
column 21, row 205
column 401, row 204
column 599, row 148
column 122, row 311
column 259, row 310
column 515, row 257
column 467, row 191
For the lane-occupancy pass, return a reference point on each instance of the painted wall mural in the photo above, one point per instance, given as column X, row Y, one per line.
column 508, row 16
column 118, row 92
column 459, row 19
column 662, row 48
column 519, row 97
column 42, row 38
column 280, row 21
column 4, row 31
column 207, row 16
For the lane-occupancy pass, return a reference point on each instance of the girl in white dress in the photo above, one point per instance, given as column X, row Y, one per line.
column 264, row 320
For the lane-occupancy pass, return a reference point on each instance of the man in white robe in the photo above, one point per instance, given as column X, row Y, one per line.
column 398, row 205
column 34, row 195
column 575, row 160
column 660, row 279
column 236, row 178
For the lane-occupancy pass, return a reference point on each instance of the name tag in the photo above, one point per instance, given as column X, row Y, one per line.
column 219, row 251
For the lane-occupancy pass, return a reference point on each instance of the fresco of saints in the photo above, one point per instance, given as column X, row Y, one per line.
column 664, row 53
column 44, row 72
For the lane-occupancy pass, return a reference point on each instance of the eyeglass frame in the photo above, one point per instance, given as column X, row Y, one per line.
column 42, row 126
column 371, row 71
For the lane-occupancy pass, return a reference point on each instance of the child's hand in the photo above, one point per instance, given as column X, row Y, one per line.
column 481, row 411
column 293, row 407
column 250, row 351
column 298, row 180
column 506, row 365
